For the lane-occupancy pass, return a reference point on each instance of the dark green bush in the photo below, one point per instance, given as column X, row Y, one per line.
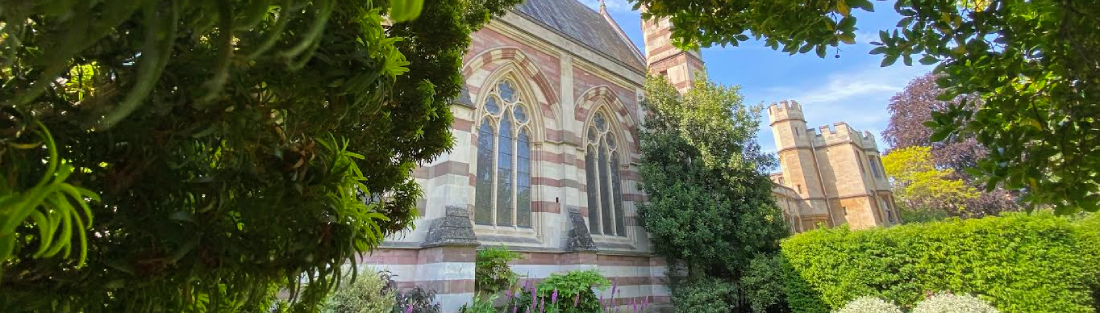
column 491, row 272
column 704, row 294
column 762, row 286
column 1017, row 262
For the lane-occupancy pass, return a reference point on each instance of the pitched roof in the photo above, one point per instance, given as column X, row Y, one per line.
column 584, row 25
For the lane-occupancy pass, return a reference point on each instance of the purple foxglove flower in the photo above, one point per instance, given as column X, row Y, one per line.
column 554, row 297
column 634, row 304
column 577, row 300
column 408, row 309
column 542, row 305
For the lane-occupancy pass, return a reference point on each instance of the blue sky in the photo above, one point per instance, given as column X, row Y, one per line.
column 852, row 88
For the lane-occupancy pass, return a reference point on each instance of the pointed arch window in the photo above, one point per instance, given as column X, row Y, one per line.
column 604, row 187
column 502, row 195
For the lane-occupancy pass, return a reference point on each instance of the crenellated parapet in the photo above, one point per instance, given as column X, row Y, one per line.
column 785, row 110
column 842, row 133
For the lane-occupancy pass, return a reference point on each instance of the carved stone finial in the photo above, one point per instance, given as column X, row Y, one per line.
column 603, row 7
column 453, row 229
column 579, row 237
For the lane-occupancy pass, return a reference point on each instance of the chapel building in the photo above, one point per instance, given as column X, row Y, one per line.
column 545, row 160
column 830, row 175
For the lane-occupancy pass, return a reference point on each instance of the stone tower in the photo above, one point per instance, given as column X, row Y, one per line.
column 662, row 58
column 835, row 171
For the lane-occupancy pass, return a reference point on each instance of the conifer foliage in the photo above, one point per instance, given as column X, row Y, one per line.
column 189, row 155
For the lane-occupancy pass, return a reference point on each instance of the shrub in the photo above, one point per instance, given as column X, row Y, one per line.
column 949, row 303
column 573, row 293
column 480, row 305
column 420, row 300
column 762, row 284
column 365, row 294
column 868, row 305
column 704, row 294
column 491, row 272
column 1021, row 262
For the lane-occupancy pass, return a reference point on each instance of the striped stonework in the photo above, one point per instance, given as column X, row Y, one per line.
column 563, row 82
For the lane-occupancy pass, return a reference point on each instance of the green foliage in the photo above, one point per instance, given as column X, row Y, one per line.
column 1018, row 262
column 367, row 293
column 416, row 300
column 920, row 215
column 798, row 26
column 480, row 305
column 762, row 285
column 949, row 303
column 1033, row 63
column 868, row 305
column 574, row 293
column 704, row 294
column 233, row 145
column 491, row 272
column 48, row 205
column 918, row 184
column 710, row 204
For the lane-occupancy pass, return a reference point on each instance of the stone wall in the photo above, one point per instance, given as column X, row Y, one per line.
column 568, row 84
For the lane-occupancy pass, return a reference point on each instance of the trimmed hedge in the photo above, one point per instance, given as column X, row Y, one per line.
column 1017, row 262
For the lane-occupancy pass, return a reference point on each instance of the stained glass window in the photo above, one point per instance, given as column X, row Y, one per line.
column 523, row 180
column 506, row 91
column 606, row 214
column 504, row 174
column 483, row 208
column 503, row 195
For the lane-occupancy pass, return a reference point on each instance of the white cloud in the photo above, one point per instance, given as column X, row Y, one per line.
column 859, row 98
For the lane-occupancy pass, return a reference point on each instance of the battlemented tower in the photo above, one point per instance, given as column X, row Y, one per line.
column 835, row 171
column 662, row 58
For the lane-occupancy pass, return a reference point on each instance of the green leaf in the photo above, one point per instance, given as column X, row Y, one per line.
column 405, row 10
column 848, row 38
column 866, row 5
column 928, row 59
column 843, row 8
column 889, row 60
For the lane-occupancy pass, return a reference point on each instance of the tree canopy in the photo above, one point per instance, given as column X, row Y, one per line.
column 920, row 185
column 198, row 155
column 710, row 203
column 1032, row 63
column 910, row 109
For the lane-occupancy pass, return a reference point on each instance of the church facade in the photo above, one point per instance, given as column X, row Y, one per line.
column 545, row 160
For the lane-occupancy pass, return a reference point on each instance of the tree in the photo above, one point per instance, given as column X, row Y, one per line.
column 710, row 205
column 195, row 155
column 920, row 185
column 1033, row 63
column 910, row 109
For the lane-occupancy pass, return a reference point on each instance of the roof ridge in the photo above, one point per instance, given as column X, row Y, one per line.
column 586, row 26
column 622, row 34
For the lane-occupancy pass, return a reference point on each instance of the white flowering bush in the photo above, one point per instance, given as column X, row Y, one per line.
column 949, row 303
column 867, row 304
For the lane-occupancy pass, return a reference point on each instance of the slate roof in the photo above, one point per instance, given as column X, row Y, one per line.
column 579, row 22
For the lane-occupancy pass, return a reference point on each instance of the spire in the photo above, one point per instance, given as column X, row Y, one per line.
column 603, row 7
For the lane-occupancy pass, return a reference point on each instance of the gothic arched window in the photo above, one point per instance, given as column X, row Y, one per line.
column 605, row 195
column 503, row 188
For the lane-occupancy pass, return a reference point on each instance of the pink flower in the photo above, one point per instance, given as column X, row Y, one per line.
column 577, row 300
column 408, row 309
column 554, row 297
